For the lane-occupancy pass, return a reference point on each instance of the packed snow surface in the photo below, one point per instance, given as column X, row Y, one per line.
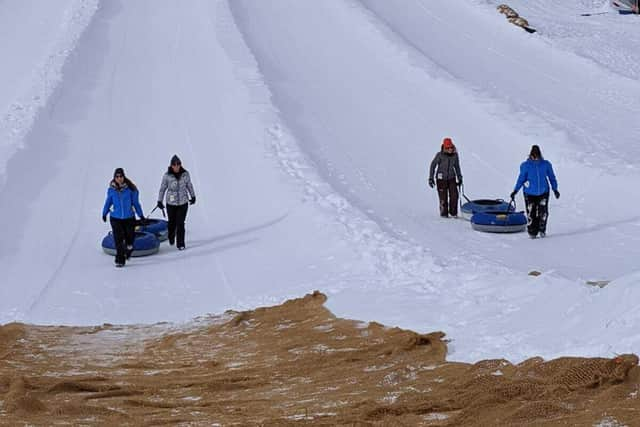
column 308, row 129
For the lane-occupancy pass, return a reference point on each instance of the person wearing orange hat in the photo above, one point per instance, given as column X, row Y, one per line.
column 446, row 169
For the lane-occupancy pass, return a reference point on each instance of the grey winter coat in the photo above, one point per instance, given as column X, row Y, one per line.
column 177, row 186
column 448, row 166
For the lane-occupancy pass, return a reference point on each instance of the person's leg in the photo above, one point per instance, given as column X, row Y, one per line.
column 118, row 229
column 130, row 235
column 181, row 216
column 171, row 226
column 533, row 219
column 543, row 213
column 453, row 197
column 443, row 196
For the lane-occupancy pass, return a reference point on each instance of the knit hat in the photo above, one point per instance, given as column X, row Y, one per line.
column 175, row 160
column 118, row 171
column 447, row 143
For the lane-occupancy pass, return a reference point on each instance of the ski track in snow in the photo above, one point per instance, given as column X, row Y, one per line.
column 17, row 122
column 74, row 237
column 397, row 262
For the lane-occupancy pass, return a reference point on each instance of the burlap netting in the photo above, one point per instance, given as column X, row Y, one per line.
column 293, row 364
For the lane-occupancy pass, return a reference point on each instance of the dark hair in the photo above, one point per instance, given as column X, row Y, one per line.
column 130, row 184
column 535, row 152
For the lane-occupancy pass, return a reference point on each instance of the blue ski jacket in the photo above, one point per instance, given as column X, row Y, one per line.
column 121, row 202
column 536, row 175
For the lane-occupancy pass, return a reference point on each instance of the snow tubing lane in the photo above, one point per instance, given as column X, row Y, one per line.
column 143, row 245
column 159, row 227
column 499, row 222
column 485, row 205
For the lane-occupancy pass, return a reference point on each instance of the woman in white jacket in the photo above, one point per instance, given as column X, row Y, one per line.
column 176, row 183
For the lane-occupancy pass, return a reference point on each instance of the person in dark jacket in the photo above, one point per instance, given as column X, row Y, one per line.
column 446, row 169
column 535, row 175
column 176, row 183
column 122, row 200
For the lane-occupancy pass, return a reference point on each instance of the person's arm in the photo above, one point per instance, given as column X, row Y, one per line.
column 456, row 166
column 107, row 203
column 135, row 196
column 163, row 187
column 192, row 193
column 552, row 177
column 522, row 178
column 434, row 163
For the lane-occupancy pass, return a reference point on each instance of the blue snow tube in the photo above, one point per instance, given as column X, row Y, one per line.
column 499, row 222
column 159, row 227
column 485, row 205
column 144, row 244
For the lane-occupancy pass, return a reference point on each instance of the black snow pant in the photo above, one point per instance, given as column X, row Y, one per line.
column 448, row 194
column 177, row 215
column 537, row 213
column 124, row 232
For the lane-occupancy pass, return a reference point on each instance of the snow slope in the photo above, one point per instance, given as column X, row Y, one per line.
column 36, row 38
column 146, row 81
column 383, row 168
column 415, row 96
column 308, row 128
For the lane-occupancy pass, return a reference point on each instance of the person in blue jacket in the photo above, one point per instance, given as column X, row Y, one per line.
column 536, row 174
column 122, row 200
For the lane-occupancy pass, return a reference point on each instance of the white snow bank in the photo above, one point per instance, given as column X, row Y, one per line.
column 36, row 38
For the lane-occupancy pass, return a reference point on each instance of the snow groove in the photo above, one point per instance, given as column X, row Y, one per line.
column 398, row 262
column 16, row 122
column 399, row 258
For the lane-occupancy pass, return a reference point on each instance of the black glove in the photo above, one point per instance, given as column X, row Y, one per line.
column 141, row 217
column 513, row 194
column 192, row 201
column 160, row 204
column 431, row 182
column 556, row 193
column 104, row 218
column 460, row 181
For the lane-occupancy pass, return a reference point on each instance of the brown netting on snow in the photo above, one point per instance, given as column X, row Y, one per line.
column 293, row 364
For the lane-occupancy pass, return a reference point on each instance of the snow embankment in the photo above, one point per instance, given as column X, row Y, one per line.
column 36, row 38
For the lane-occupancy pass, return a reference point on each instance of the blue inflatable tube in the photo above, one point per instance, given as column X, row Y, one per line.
column 485, row 205
column 159, row 227
column 499, row 222
column 143, row 245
